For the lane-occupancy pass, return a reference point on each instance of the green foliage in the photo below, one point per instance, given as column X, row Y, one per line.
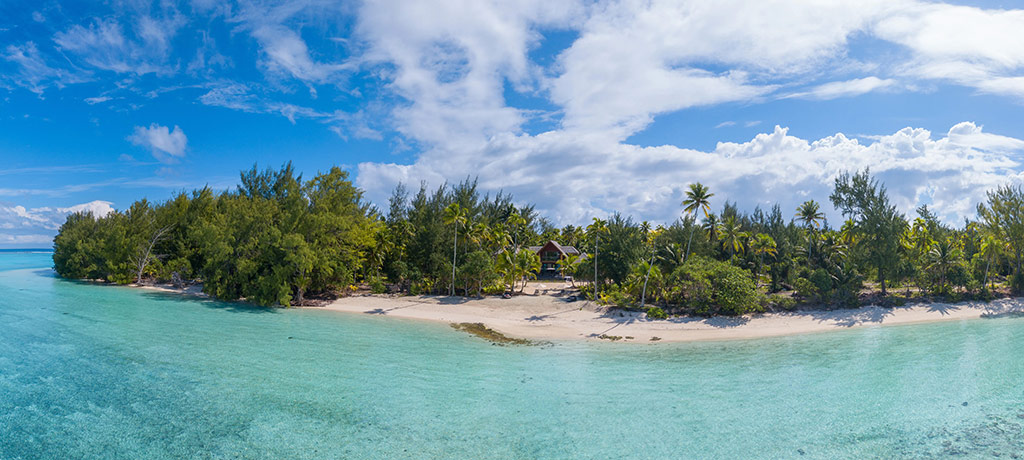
column 806, row 289
column 656, row 313
column 272, row 241
column 781, row 302
column 278, row 239
column 710, row 287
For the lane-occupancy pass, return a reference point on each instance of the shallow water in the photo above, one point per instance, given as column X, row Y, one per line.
column 91, row 371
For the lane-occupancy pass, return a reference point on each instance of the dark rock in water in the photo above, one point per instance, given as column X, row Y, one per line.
column 290, row 337
column 800, row 451
column 486, row 333
column 964, row 404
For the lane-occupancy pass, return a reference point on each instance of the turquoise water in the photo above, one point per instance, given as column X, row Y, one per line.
column 105, row 372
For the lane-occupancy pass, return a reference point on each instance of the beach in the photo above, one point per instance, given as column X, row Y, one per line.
column 543, row 316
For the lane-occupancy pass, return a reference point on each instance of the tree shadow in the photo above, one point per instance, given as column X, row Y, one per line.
column 536, row 318
column 234, row 307
column 849, row 318
column 942, row 308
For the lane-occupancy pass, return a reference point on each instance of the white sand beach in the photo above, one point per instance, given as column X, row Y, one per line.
column 546, row 317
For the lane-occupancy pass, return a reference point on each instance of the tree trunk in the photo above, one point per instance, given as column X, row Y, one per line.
column 455, row 250
column 687, row 255
column 643, row 296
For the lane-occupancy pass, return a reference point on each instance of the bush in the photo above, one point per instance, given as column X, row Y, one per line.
column 781, row 302
column 823, row 282
column 806, row 289
column 377, row 286
column 710, row 287
column 1017, row 282
column 656, row 313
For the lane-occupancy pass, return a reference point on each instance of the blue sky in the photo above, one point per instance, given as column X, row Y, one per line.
column 582, row 108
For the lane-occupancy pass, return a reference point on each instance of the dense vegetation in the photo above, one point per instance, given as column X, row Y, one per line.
column 277, row 239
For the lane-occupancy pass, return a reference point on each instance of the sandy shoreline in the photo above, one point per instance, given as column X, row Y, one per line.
column 544, row 314
column 543, row 317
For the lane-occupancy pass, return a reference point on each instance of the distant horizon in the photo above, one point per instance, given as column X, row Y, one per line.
column 581, row 109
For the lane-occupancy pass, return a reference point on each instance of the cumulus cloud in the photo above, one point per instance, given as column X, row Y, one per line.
column 167, row 145
column 572, row 178
column 21, row 226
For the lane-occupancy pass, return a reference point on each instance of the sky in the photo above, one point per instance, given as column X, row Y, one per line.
column 580, row 108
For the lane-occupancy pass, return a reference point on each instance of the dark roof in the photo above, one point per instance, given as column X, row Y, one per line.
column 565, row 250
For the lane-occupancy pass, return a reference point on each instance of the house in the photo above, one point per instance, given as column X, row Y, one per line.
column 550, row 255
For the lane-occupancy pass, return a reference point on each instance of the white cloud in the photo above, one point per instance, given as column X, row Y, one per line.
column 167, row 145
column 106, row 45
column 572, row 178
column 37, row 226
column 96, row 100
column 286, row 52
column 964, row 45
column 33, row 72
column 848, row 88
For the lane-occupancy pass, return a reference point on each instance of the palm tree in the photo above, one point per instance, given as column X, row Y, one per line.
column 654, row 251
column 711, row 224
column 732, row 235
column 516, row 223
column 810, row 214
column 942, row 257
column 527, row 264
column 568, row 264
column 595, row 230
column 698, row 197
column 990, row 249
column 760, row 245
column 454, row 215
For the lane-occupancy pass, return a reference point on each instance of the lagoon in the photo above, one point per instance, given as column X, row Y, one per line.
column 90, row 371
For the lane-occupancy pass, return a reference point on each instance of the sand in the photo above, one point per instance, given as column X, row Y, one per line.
column 547, row 316
column 544, row 314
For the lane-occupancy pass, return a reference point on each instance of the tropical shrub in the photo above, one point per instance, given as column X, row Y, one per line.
column 710, row 287
column 656, row 313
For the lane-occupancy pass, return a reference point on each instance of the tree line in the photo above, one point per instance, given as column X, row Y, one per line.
column 280, row 240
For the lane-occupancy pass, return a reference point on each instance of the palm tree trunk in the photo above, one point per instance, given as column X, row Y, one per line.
column 687, row 255
column 643, row 296
column 988, row 262
column 455, row 250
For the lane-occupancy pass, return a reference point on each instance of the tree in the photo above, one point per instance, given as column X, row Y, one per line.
column 942, row 256
column 455, row 216
column 762, row 245
column 1003, row 216
column 594, row 231
column 877, row 225
column 732, row 235
column 991, row 248
column 810, row 214
column 527, row 264
column 698, row 197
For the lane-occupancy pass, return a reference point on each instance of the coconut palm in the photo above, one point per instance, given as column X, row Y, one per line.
column 595, row 230
column 942, row 256
column 698, row 198
column 809, row 212
column 760, row 245
column 732, row 235
column 654, row 251
column 455, row 216
column 527, row 264
column 991, row 248
column 711, row 224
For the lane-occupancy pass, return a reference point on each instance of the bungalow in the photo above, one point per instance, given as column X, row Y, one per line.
column 550, row 255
